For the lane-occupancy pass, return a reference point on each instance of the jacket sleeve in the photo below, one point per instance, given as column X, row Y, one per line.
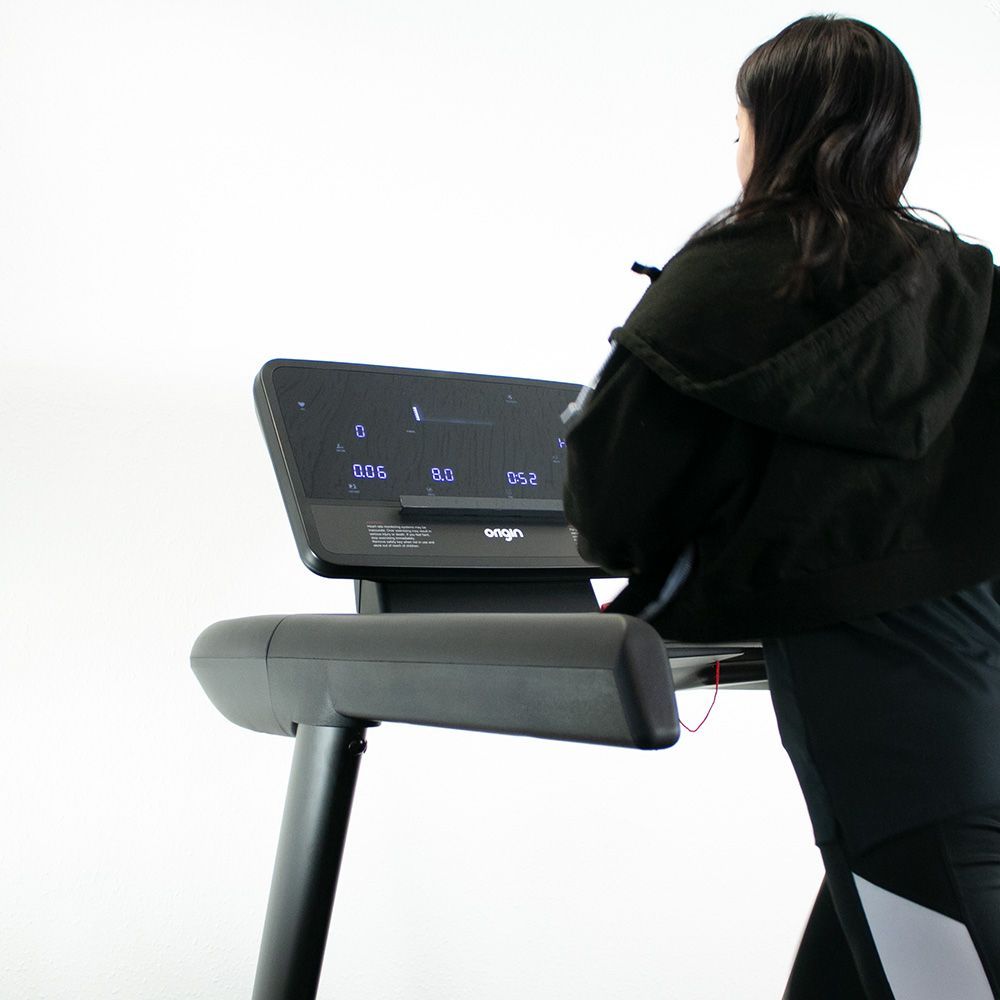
column 640, row 478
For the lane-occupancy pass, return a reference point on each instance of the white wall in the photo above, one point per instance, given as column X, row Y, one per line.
column 191, row 187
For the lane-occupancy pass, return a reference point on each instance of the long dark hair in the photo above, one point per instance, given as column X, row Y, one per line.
column 836, row 122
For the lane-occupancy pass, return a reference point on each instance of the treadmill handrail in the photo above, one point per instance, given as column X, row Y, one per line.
column 585, row 677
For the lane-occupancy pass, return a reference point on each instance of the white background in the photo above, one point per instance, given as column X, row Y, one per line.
column 191, row 187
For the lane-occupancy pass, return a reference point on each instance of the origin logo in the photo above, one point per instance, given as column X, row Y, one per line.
column 507, row 534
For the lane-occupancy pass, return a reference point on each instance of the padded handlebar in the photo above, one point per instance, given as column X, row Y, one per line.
column 582, row 677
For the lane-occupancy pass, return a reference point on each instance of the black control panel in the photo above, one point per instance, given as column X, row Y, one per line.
column 390, row 473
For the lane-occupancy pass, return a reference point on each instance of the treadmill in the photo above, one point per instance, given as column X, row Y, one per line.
column 440, row 495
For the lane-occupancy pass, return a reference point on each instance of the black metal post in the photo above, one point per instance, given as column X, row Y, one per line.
column 310, row 846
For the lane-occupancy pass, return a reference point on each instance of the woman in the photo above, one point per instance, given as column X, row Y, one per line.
column 795, row 437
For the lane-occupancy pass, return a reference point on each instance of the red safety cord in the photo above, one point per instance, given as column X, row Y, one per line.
column 718, row 672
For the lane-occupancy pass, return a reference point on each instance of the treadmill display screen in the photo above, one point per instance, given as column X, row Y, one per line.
column 371, row 436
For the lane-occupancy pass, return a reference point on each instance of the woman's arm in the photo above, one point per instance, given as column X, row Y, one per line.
column 638, row 484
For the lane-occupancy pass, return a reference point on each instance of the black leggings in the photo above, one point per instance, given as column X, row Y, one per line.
column 915, row 918
column 892, row 724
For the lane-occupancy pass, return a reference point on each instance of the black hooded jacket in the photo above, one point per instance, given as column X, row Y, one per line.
column 829, row 460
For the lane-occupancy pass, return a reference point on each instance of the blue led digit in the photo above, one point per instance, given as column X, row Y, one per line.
column 359, row 431
column 522, row 478
column 369, row 471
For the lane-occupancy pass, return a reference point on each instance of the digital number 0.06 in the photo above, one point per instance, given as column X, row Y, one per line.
column 442, row 475
column 522, row 478
column 370, row 472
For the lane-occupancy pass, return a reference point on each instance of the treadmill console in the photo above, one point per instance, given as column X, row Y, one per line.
column 398, row 473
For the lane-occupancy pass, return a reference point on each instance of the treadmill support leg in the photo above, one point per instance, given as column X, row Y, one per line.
column 313, row 829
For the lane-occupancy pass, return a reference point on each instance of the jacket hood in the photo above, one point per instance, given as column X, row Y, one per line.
column 882, row 376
